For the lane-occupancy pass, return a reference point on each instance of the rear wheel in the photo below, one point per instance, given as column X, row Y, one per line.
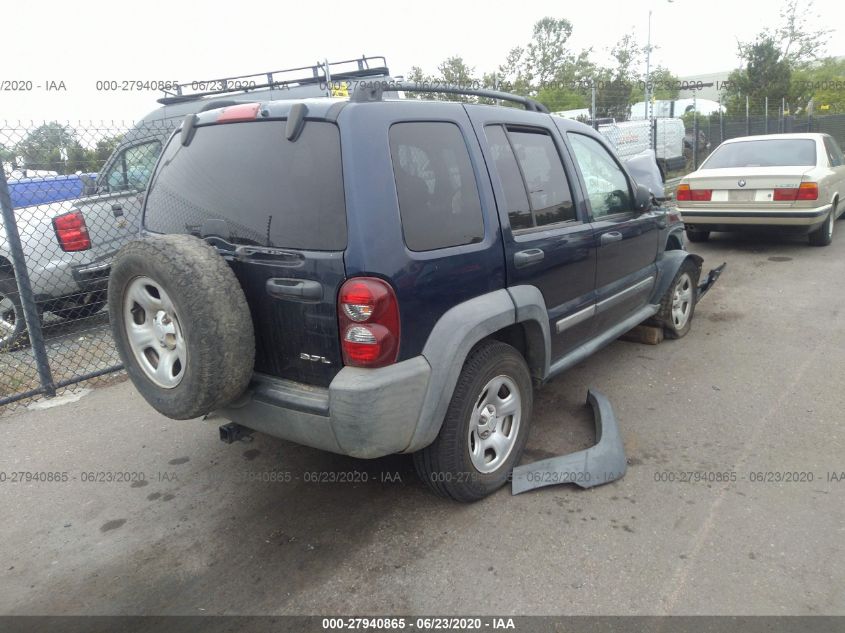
column 697, row 236
column 486, row 426
column 823, row 235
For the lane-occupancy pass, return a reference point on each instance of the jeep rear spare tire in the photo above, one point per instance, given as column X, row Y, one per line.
column 181, row 324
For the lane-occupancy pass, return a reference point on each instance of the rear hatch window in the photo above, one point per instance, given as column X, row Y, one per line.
column 247, row 184
column 253, row 184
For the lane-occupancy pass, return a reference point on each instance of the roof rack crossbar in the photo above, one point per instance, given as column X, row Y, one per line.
column 373, row 91
column 317, row 71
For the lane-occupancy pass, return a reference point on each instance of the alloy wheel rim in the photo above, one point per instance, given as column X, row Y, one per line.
column 682, row 298
column 494, row 424
column 154, row 332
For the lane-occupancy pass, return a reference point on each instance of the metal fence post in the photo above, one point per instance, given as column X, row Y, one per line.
column 30, row 310
column 766, row 116
column 747, row 117
column 695, row 140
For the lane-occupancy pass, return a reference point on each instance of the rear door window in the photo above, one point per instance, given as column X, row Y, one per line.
column 545, row 181
column 536, row 188
column 247, row 181
column 438, row 197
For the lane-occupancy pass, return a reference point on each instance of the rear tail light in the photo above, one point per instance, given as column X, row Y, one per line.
column 808, row 191
column 789, row 194
column 805, row 191
column 684, row 194
column 71, row 231
column 368, row 314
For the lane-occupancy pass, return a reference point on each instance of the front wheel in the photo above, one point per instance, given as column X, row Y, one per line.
column 485, row 428
column 678, row 304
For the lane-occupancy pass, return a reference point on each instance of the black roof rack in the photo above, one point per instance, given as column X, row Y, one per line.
column 365, row 91
column 325, row 71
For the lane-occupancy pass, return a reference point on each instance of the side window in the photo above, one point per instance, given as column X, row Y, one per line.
column 545, row 181
column 438, row 196
column 133, row 167
column 519, row 212
column 607, row 185
column 837, row 151
column 834, row 154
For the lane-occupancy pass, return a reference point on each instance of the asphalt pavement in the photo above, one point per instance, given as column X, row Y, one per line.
column 732, row 503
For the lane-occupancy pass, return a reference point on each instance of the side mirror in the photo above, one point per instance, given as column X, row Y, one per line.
column 642, row 199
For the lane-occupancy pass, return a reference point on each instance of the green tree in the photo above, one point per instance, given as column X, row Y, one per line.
column 664, row 86
column 456, row 72
column 822, row 83
column 615, row 85
column 799, row 41
column 102, row 150
column 512, row 74
column 548, row 51
column 52, row 146
column 766, row 74
column 7, row 156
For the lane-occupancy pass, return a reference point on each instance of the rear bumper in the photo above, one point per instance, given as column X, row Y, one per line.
column 364, row 413
column 700, row 217
column 94, row 276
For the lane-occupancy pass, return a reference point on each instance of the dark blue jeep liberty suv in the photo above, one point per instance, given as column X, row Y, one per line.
column 379, row 275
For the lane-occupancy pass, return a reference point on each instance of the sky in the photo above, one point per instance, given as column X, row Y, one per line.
column 81, row 44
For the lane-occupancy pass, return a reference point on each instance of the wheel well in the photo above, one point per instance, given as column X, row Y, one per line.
column 527, row 338
column 674, row 243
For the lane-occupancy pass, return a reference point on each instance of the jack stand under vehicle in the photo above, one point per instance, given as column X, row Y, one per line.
column 597, row 465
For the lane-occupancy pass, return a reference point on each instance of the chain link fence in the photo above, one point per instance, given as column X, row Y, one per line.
column 705, row 133
column 71, row 196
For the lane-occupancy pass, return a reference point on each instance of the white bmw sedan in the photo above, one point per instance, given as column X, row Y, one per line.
column 784, row 181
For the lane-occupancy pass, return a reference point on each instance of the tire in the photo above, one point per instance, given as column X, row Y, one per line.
column 12, row 321
column 697, row 236
column 677, row 307
column 823, row 235
column 447, row 466
column 181, row 325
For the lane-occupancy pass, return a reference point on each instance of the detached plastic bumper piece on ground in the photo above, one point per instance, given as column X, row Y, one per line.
column 705, row 285
column 597, row 465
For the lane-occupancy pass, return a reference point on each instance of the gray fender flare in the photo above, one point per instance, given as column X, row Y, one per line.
column 450, row 342
column 667, row 267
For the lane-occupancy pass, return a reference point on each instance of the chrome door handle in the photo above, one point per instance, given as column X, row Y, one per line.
column 528, row 257
column 609, row 238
